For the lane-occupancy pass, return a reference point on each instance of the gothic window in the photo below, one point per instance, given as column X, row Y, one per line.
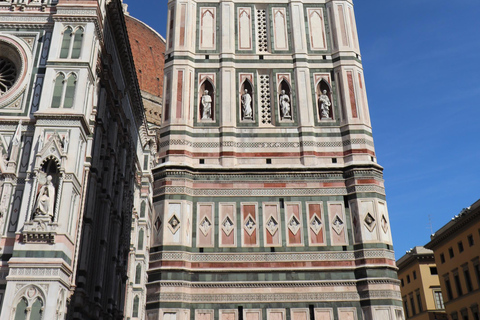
column 138, row 274
column 71, row 43
column 77, row 43
column 247, row 101
column 207, row 28
column 142, row 209
column 324, row 100
column 140, row 239
column 21, row 310
column 207, row 100
column 285, row 100
column 37, row 310
column 67, row 39
column 64, row 91
column 136, row 302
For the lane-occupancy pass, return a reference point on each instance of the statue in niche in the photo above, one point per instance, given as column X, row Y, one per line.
column 325, row 105
column 45, row 200
column 247, row 106
column 285, row 105
column 207, row 106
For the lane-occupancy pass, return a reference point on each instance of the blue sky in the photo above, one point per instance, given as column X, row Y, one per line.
column 422, row 70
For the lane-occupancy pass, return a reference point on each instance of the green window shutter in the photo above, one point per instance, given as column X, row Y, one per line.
column 77, row 43
column 21, row 312
column 67, row 35
column 36, row 313
column 70, row 91
column 58, row 90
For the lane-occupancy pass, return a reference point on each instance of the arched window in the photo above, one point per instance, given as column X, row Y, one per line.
column 207, row 101
column 140, row 239
column 21, row 310
column 138, row 274
column 64, row 91
column 67, row 39
column 72, row 43
column 37, row 310
column 136, row 302
column 142, row 209
column 77, row 43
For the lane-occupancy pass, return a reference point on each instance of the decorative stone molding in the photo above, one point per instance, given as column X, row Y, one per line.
column 40, row 230
column 250, row 192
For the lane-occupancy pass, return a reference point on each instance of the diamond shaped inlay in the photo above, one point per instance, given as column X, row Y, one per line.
column 315, row 224
column 337, row 225
column 249, row 225
column 227, row 225
column 294, row 224
column 384, row 224
column 174, row 224
column 205, row 225
column 158, row 223
column 272, row 225
column 370, row 222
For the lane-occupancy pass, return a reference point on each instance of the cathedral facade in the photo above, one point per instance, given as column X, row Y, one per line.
column 227, row 172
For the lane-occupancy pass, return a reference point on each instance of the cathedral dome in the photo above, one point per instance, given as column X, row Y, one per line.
column 148, row 49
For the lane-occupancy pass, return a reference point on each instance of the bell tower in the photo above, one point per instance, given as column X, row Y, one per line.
column 269, row 202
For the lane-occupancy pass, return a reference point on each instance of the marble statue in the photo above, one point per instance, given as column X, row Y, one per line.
column 247, row 105
column 45, row 200
column 207, row 106
column 325, row 105
column 285, row 105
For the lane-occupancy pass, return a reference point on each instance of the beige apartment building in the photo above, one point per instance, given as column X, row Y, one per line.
column 456, row 248
column 420, row 286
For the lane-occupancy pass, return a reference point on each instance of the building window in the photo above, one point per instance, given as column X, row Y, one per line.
column 470, row 240
column 442, row 258
column 449, row 289
column 419, row 301
column 408, row 278
column 138, row 274
column 458, row 285
column 433, row 271
column 450, row 252
column 468, row 279
column 136, row 302
column 71, row 43
column 437, row 295
column 414, row 275
column 403, row 284
column 412, row 303
column 476, row 267
column 405, row 306
column 64, row 91
column 460, row 246
column 140, row 239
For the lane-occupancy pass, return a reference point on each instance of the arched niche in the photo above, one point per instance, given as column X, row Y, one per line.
column 245, row 113
column 285, row 103
column 206, row 89
column 324, row 86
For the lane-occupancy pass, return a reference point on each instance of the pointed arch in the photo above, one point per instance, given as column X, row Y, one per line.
column 58, row 90
column 138, row 274
column 143, row 208
column 322, row 88
column 67, row 39
column 247, row 88
column 77, row 42
column 70, row 90
column 37, row 310
column 136, row 303
column 285, row 99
